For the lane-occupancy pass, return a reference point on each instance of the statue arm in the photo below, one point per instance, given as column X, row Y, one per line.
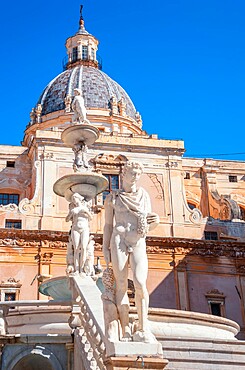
column 69, row 216
column 86, row 211
column 108, row 228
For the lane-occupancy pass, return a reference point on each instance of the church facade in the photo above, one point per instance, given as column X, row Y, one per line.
column 197, row 252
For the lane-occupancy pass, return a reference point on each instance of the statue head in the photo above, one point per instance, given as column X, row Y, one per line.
column 130, row 165
column 77, row 91
column 132, row 171
column 77, row 198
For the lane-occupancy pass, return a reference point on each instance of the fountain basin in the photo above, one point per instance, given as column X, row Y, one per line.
column 88, row 184
column 57, row 288
column 78, row 133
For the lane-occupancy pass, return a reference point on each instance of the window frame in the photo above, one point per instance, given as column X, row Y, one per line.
column 233, row 178
column 13, row 221
column 8, row 196
column 84, row 52
column 110, row 188
column 74, row 55
column 208, row 232
column 217, row 298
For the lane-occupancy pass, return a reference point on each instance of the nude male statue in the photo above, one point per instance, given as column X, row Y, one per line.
column 80, row 216
column 128, row 218
column 78, row 107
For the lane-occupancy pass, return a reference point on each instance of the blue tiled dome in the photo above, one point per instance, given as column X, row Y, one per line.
column 97, row 89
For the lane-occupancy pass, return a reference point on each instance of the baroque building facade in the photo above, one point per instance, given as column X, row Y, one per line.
column 196, row 254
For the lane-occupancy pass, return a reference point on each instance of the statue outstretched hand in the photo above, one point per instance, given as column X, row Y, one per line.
column 152, row 220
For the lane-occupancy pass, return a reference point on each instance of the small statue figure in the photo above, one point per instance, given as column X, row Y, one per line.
column 138, row 119
column 68, row 101
column 78, row 108
column 80, row 161
column 38, row 111
column 122, row 107
column 33, row 116
column 113, row 105
column 80, row 216
column 89, row 263
column 128, row 218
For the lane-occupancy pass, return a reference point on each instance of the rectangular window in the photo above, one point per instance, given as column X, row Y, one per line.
column 11, row 164
column 9, row 198
column 10, row 297
column 113, row 184
column 232, row 178
column 74, row 54
column 93, row 54
column 215, row 308
column 187, row 175
column 211, row 235
column 13, row 224
column 84, row 52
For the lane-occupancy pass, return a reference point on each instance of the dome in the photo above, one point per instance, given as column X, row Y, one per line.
column 97, row 87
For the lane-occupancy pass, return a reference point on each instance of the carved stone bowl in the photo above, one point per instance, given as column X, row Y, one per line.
column 87, row 184
column 79, row 133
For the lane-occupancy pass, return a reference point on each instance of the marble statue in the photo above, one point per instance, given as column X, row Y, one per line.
column 81, row 161
column 80, row 216
column 128, row 218
column 78, row 107
column 70, row 256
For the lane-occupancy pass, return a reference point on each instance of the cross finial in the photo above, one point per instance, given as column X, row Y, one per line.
column 81, row 21
column 81, row 11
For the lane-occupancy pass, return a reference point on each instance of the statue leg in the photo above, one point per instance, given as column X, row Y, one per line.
column 84, row 240
column 119, row 261
column 139, row 265
column 76, row 246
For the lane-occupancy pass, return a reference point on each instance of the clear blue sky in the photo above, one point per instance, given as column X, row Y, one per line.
column 181, row 61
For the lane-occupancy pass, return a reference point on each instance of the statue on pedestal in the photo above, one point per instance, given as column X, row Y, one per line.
column 78, row 108
column 128, row 218
column 81, row 160
column 80, row 216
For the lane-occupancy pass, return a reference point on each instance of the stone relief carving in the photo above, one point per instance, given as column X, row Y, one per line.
column 105, row 161
column 158, row 185
column 128, row 218
column 27, row 206
column 194, row 215
column 238, row 198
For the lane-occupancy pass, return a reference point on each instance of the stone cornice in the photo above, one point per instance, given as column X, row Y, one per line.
column 155, row 245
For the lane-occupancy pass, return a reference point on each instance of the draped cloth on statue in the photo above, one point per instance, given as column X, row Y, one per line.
column 137, row 203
